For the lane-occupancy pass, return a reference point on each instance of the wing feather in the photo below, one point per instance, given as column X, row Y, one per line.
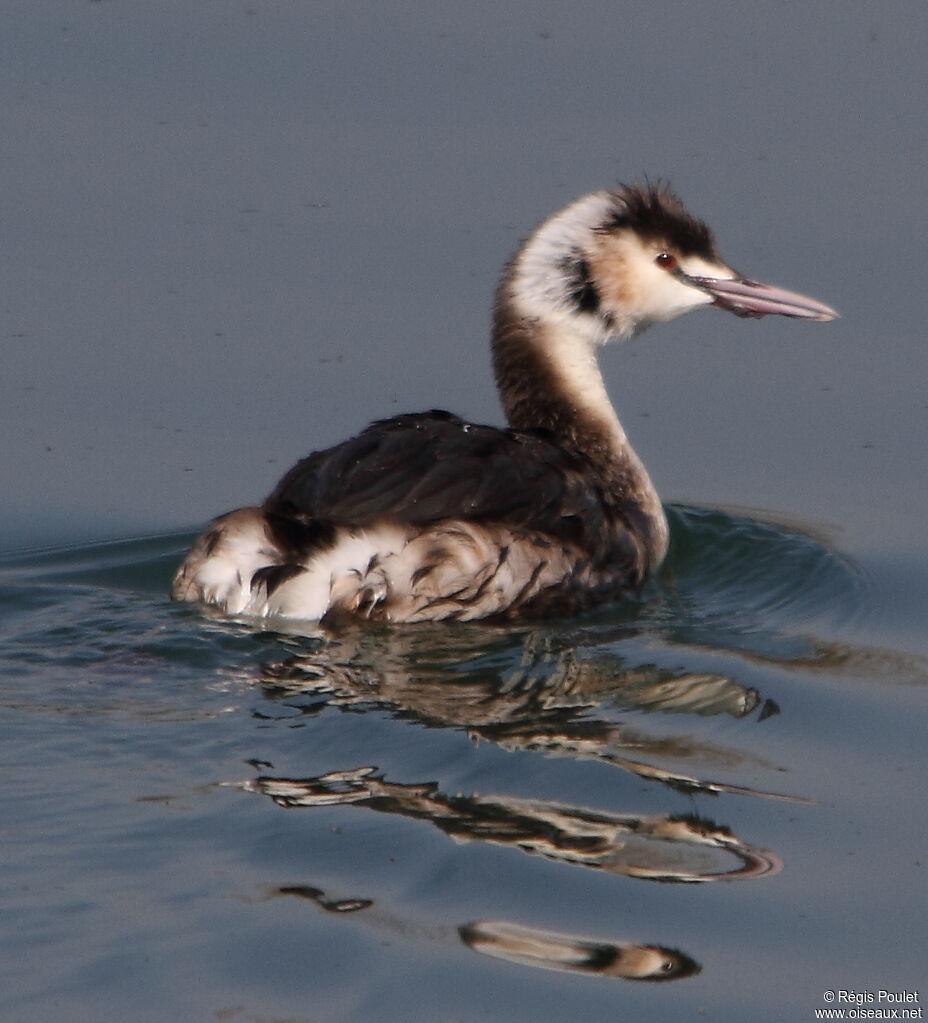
column 422, row 468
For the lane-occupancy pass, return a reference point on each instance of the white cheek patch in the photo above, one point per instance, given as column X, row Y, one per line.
column 671, row 297
column 668, row 296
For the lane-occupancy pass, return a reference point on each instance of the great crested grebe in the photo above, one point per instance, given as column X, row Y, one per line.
column 426, row 517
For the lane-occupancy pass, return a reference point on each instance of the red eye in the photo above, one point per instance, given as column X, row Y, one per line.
column 666, row 260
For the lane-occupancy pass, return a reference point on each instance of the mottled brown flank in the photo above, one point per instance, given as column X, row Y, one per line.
column 656, row 212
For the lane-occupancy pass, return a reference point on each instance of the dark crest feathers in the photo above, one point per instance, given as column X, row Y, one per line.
column 655, row 211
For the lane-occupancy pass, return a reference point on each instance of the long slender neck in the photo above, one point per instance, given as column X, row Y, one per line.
column 547, row 327
column 549, row 378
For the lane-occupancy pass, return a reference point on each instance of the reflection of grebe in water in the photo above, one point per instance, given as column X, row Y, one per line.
column 529, row 690
column 680, row 849
column 529, row 946
column 427, row 517
column 532, row 946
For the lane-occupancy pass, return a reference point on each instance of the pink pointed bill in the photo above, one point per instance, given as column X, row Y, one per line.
column 745, row 297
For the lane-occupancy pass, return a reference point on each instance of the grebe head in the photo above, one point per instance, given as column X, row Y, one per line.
column 612, row 263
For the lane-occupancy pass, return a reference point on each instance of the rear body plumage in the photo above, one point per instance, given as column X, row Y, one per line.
column 422, row 518
column 426, row 517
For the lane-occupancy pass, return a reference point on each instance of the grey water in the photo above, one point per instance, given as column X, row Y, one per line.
column 235, row 233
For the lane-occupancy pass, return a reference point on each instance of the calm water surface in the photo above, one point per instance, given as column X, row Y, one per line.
column 234, row 233
column 211, row 820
